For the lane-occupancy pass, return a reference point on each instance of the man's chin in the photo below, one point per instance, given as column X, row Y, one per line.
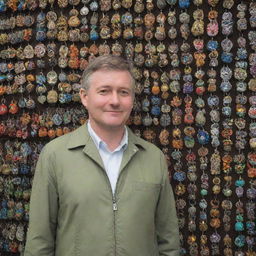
column 114, row 125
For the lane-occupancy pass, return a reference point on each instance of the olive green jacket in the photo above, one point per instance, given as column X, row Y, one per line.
column 74, row 213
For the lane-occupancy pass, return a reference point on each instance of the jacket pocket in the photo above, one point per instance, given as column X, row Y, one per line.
column 144, row 186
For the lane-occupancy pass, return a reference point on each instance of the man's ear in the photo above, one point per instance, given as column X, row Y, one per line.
column 83, row 96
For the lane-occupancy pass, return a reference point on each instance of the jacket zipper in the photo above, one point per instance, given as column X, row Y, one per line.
column 114, row 212
column 114, row 207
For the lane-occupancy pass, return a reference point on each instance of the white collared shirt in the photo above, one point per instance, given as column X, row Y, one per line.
column 111, row 160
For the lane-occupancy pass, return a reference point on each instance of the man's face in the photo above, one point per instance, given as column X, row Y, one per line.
column 109, row 99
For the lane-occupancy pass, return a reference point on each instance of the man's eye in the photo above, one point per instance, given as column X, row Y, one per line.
column 103, row 91
column 124, row 92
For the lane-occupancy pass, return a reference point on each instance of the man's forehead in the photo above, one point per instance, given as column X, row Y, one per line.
column 95, row 74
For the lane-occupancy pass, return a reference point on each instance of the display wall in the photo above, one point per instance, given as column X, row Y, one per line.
column 195, row 67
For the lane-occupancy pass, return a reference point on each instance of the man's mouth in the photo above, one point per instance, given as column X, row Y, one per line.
column 114, row 111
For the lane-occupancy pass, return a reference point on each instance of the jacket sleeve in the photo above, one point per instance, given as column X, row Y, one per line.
column 166, row 218
column 43, row 209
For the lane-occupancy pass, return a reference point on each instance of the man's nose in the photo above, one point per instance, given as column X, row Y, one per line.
column 115, row 99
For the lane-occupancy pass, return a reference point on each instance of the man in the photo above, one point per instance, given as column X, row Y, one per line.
column 101, row 190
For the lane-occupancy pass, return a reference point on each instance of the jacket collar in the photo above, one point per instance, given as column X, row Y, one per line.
column 78, row 137
column 81, row 138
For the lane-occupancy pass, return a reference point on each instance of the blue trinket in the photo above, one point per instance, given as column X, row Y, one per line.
column 3, row 67
column 203, row 204
column 3, row 214
column 24, row 169
column 22, row 103
column 215, row 238
column 6, row 247
column 250, row 225
column 203, row 192
column 25, row 149
column 61, row 98
column 176, row 155
column 184, row 4
column 68, row 97
column 225, row 86
column 251, row 193
column 187, row 78
column 40, row 79
column 212, row 45
column 226, row 111
column 179, row 176
column 240, row 241
column 188, row 88
column 2, row 78
column 241, row 86
column 3, row 6
column 126, row 18
column 19, row 212
column 155, row 100
column 203, row 215
column 227, row 57
column 156, row 110
column 203, row 137
column 4, row 204
column 57, row 119
column 16, row 180
column 189, row 141
column 145, row 105
column 239, row 183
column 94, row 35
column 21, row 5
column 213, row 101
column 241, row 53
column 33, row 133
column 94, row 6
column 239, row 217
column 146, row 90
column 186, row 58
column 9, row 76
column 41, row 17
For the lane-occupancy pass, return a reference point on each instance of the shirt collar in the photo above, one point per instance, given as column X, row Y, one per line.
column 80, row 137
column 100, row 143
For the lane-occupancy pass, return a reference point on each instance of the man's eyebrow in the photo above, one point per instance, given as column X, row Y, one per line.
column 109, row 86
column 103, row 86
column 129, row 89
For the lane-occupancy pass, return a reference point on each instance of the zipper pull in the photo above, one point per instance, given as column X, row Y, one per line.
column 114, row 206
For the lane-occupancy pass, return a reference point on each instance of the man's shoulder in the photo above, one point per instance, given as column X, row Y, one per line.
column 146, row 145
column 151, row 156
column 57, row 143
column 62, row 143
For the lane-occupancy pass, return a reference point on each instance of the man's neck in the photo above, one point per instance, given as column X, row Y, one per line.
column 112, row 137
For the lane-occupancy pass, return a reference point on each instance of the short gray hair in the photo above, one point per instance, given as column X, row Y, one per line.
column 106, row 62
